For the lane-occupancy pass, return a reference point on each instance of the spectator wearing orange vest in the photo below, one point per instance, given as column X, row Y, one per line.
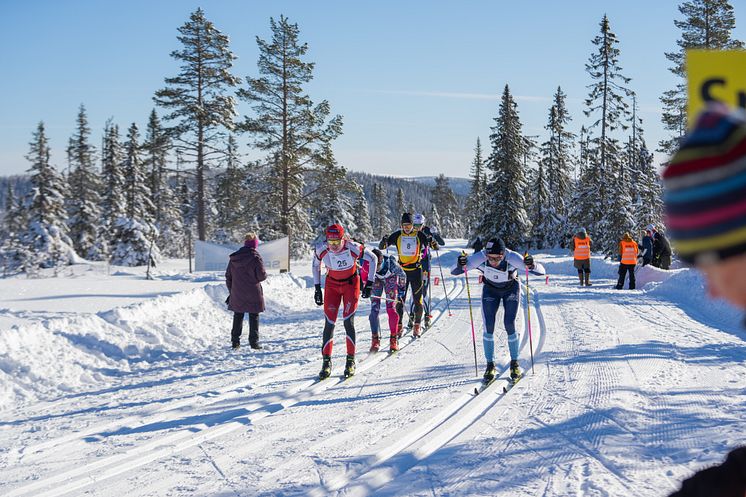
column 628, row 260
column 581, row 246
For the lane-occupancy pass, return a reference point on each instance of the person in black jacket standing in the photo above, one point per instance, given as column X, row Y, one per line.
column 243, row 276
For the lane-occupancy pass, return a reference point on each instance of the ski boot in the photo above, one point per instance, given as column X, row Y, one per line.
column 416, row 331
column 588, row 279
column 236, row 346
column 489, row 374
column 411, row 321
column 375, row 343
column 326, row 368
column 515, row 371
column 393, row 344
column 427, row 321
column 349, row 366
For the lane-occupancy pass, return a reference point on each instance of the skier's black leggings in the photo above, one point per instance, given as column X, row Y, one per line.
column 349, row 324
column 414, row 279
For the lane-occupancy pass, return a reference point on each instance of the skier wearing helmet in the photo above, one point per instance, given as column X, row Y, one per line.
column 434, row 241
column 342, row 258
column 409, row 243
column 499, row 266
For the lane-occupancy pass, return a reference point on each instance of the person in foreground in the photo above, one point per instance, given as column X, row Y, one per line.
column 499, row 266
column 342, row 259
column 705, row 205
column 243, row 277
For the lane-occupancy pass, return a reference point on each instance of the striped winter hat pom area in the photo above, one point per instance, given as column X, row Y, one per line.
column 705, row 188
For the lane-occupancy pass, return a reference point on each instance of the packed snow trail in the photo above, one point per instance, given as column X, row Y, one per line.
column 631, row 392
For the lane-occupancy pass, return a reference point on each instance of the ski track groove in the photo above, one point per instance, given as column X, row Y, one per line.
column 419, row 444
column 113, row 465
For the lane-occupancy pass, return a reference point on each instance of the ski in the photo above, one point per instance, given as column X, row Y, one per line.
column 511, row 384
column 481, row 388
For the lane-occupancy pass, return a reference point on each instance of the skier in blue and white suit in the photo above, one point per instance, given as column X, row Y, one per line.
column 500, row 268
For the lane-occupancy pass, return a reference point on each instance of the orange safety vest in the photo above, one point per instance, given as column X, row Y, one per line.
column 582, row 248
column 629, row 252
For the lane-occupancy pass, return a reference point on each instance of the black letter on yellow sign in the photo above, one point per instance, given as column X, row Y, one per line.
column 706, row 96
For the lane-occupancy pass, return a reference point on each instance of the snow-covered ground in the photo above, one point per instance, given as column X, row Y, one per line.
column 114, row 385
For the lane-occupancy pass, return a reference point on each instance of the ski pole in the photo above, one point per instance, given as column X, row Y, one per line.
column 448, row 304
column 471, row 316
column 429, row 292
column 528, row 308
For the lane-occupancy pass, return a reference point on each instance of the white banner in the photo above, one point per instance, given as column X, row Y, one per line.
column 213, row 257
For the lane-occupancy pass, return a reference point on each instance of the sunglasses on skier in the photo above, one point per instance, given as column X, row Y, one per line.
column 407, row 226
column 495, row 257
column 418, row 227
column 334, row 243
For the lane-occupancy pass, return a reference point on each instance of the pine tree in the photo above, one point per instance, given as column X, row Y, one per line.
column 544, row 219
column 229, row 194
column 606, row 102
column 84, row 202
column 46, row 234
column 450, row 224
column 506, row 214
column 199, row 100
column 433, row 217
column 477, row 200
column 707, row 24
column 286, row 124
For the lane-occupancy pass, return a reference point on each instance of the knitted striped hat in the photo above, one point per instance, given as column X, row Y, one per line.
column 705, row 188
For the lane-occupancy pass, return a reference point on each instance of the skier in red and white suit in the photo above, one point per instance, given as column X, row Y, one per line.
column 342, row 258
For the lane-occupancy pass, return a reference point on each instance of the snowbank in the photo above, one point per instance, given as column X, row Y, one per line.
column 42, row 359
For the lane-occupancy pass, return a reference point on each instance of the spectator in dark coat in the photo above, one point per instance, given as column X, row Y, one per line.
column 663, row 251
column 243, row 276
column 647, row 247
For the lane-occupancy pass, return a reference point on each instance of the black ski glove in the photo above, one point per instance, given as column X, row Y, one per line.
column 382, row 244
column 318, row 296
column 434, row 245
column 528, row 260
column 462, row 260
column 367, row 289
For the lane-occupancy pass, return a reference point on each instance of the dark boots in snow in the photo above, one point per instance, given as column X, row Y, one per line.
column 326, row 368
column 349, row 366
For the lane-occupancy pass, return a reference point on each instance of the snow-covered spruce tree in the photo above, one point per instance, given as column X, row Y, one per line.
column 199, row 100
column 506, row 214
column 433, row 217
column 645, row 183
column 84, row 201
column 380, row 211
column 229, row 194
column 135, row 231
column 560, row 167
column 288, row 126
column 166, row 213
column 544, row 219
column 330, row 200
column 477, row 199
column 607, row 105
column 451, row 224
column 113, row 202
column 12, row 251
column 707, row 24
column 401, row 207
column 363, row 228
column 46, row 234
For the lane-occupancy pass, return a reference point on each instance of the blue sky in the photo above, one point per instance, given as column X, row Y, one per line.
column 416, row 82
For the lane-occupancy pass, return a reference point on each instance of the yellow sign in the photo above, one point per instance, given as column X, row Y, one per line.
column 715, row 75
